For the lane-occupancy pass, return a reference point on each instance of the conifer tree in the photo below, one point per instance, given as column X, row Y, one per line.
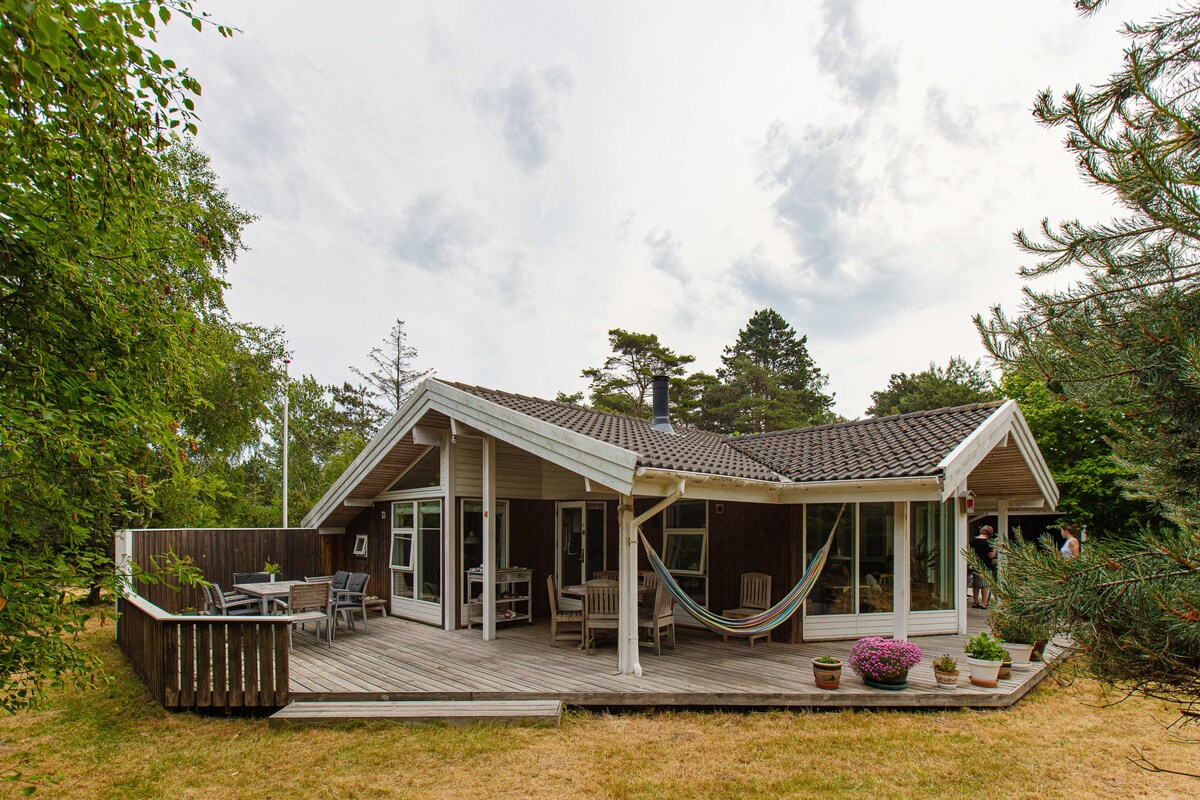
column 393, row 379
column 768, row 380
column 1123, row 340
column 622, row 384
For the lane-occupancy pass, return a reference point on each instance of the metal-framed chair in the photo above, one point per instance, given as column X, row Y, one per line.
column 572, row 620
column 251, row 577
column 352, row 598
column 600, row 609
column 231, row 605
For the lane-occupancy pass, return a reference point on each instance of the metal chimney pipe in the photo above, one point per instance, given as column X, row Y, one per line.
column 662, row 415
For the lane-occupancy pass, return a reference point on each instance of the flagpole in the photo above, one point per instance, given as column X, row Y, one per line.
column 286, row 387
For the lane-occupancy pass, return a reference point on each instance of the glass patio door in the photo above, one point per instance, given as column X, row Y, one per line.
column 416, row 559
column 580, row 544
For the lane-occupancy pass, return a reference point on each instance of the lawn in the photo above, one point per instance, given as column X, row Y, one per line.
column 113, row 742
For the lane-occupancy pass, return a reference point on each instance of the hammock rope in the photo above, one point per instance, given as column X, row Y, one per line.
column 770, row 618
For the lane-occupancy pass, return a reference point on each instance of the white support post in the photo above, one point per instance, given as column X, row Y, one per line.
column 900, row 572
column 960, row 565
column 123, row 556
column 627, row 630
column 450, row 568
column 489, row 538
column 1001, row 537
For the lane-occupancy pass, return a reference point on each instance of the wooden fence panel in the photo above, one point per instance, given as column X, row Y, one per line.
column 205, row 662
column 220, row 552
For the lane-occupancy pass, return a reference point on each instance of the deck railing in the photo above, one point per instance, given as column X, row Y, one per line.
column 191, row 662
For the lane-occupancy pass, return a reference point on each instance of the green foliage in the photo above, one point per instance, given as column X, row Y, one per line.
column 768, row 381
column 985, row 647
column 1122, row 341
column 945, row 663
column 622, row 384
column 957, row 384
column 1073, row 439
column 111, row 260
column 1009, row 627
column 1131, row 607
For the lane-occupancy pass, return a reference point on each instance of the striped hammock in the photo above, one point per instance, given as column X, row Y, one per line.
column 747, row 626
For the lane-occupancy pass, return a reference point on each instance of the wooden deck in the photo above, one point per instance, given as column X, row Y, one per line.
column 400, row 660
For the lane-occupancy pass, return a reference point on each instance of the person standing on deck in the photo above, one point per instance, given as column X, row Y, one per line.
column 985, row 548
column 1070, row 548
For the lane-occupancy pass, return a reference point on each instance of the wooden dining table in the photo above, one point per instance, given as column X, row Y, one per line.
column 268, row 591
column 579, row 590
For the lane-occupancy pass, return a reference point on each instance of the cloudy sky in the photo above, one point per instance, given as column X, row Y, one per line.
column 513, row 179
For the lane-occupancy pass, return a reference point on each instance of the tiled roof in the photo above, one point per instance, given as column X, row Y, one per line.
column 686, row 450
column 907, row 445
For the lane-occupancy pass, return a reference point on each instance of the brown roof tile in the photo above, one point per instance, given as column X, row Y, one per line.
column 907, row 445
column 686, row 450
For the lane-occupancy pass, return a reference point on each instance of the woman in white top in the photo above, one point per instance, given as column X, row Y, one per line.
column 1070, row 548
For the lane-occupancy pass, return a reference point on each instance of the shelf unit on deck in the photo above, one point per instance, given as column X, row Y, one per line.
column 508, row 579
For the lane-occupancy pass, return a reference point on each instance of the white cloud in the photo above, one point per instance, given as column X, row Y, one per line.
column 527, row 111
column 434, row 236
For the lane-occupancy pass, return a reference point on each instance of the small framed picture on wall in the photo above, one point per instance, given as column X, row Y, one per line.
column 360, row 545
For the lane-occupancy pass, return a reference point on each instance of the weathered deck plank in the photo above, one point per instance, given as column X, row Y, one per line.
column 400, row 660
column 458, row 712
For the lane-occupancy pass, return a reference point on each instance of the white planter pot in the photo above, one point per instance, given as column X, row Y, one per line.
column 1020, row 654
column 984, row 673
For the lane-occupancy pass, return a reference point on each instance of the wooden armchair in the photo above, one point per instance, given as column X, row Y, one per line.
column 600, row 609
column 232, row 604
column 659, row 617
column 311, row 602
column 572, row 620
column 755, row 598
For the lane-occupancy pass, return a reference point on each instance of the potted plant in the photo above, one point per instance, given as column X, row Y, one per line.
column 984, row 659
column 945, row 671
column 271, row 568
column 1016, row 636
column 827, row 672
column 884, row 663
column 1006, row 667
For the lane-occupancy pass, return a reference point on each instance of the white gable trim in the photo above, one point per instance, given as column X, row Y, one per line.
column 1006, row 422
column 597, row 461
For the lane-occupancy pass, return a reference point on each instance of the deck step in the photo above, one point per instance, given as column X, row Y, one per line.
column 457, row 712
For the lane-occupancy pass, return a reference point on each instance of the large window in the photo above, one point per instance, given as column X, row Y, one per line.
column 875, row 560
column 932, row 555
column 416, row 557
column 834, row 592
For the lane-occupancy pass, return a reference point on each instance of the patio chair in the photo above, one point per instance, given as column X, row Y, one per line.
column 659, row 617
column 311, row 602
column 606, row 575
column 251, row 577
column 572, row 619
column 649, row 580
column 352, row 598
column 755, row 598
column 233, row 604
column 600, row 609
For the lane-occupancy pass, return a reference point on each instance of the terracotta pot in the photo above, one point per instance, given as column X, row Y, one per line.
column 827, row 676
column 983, row 673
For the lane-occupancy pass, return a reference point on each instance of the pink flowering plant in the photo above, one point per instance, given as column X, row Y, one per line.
column 876, row 657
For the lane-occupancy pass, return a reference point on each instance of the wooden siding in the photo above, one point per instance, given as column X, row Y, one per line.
column 377, row 524
column 1003, row 473
column 205, row 662
column 518, row 473
column 220, row 552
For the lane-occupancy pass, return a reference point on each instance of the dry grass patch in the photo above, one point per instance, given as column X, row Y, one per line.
column 113, row 742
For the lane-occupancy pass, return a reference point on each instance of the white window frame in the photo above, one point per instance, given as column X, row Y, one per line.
column 360, row 545
column 682, row 532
